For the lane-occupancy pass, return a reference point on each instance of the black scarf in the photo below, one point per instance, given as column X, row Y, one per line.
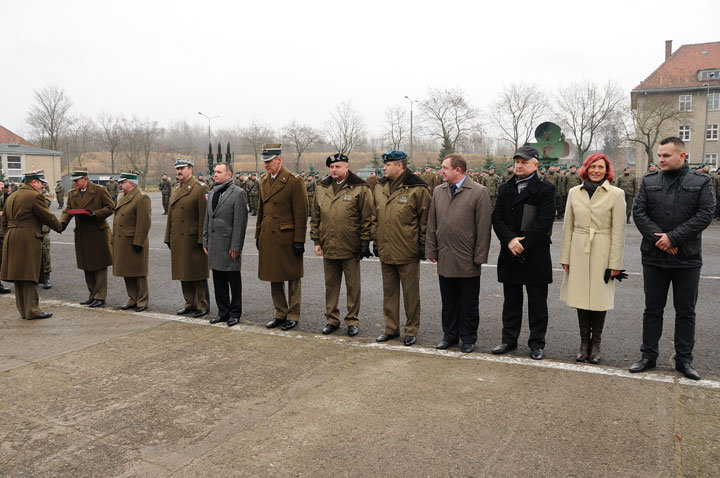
column 591, row 186
column 218, row 191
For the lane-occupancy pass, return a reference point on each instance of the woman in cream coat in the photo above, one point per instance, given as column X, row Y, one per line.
column 593, row 241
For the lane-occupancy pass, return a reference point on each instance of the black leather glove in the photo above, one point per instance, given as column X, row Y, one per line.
column 92, row 213
column 375, row 249
column 64, row 226
column 137, row 248
column 298, row 248
column 622, row 275
column 422, row 252
column 363, row 252
column 200, row 246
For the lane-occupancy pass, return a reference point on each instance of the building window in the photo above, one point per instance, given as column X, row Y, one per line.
column 711, row 159
column 711, row 133
column 709, row 75
column 714, row 101
column 14, row 168
column 684, row 132
column 685, row 102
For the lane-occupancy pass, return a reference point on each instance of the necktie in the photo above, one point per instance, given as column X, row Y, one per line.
column 453, row 188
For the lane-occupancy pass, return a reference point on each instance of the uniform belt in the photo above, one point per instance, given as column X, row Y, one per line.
column 14, row 224
column 591, row 231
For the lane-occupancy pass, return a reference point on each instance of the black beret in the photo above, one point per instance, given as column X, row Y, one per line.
column 336, row 158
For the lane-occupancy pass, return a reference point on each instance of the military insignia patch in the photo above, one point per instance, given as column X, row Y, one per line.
column 403, row 199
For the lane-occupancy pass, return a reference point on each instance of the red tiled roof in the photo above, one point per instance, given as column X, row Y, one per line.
column 680, row 70
column 7, row 136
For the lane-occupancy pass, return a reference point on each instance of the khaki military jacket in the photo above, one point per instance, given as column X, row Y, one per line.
column 342, row 222
column 399, row 231
column 92, row 233
column 131, row 225
column 281, row 221
column 184, row 231
column 24, row 213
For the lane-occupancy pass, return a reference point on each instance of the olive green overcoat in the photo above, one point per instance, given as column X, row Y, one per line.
column 130, row 227
column 184, row 231
column 92, row 233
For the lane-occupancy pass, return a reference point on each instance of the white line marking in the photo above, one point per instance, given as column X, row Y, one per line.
column 547, row 364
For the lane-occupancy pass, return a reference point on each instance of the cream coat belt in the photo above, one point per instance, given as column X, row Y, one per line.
column 590, row 231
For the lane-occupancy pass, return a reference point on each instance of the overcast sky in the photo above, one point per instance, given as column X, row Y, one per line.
column 274, row 61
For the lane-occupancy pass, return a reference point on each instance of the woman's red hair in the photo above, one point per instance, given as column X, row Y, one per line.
column 609, row 175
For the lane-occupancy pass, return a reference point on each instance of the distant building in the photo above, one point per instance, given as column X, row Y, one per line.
column 689, row 79
column 18, row 156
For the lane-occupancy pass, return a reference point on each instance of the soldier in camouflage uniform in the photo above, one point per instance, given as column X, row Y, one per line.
column 372, row 181
column 253, row 192
column 429, row 177
column 113, row 188
column 560, row 194
column 3, row 289
column 572, row 179
column 310, row 188
column 239, row 181
column 165, row 189
column 60, row 193
column 628, row 183
column 508, row 174
column 46, row 266
column 552, row 176
column 492, row 183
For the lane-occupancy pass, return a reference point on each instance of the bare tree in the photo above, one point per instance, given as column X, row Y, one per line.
column 300, row 136
column 448, row 117
column 148, row 134
column 110, row 135
column 345, row 129
column 81, row 131
column 50, row 115
column 644, row 121
column 131, row 146
column 254, row 136
column 585, row 109
column 397, row 125
column 516, row 112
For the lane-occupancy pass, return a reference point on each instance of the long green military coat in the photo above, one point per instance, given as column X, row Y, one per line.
column 24, row 214
column 281, row 220
column 130, row 227
column 92, row 233
column 186, row 214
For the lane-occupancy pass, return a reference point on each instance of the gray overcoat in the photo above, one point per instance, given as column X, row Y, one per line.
column 224, row 228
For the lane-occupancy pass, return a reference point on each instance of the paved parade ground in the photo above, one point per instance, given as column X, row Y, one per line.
column 110, row 393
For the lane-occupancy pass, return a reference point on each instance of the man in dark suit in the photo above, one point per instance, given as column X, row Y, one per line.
column 458, row 239
column 522, row 220
column 226, row 219
column 280, row 236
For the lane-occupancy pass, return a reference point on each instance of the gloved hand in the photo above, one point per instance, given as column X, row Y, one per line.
column 376, row 252
column 200, row 246
column 64, row 226
column 422, row 251
column 298, row 248
column 363, row 252
column 622, row 275
column 92, row 213
column 137, row 248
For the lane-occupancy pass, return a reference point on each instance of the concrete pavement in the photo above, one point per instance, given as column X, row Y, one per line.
column 104, row 392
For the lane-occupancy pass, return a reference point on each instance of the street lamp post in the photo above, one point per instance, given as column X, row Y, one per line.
column 411, row 127
column 209, row 118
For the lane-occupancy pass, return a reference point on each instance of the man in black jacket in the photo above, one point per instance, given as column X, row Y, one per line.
column 522, row 220
column 672, row 208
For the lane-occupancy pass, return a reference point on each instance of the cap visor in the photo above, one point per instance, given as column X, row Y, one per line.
column 268, row 157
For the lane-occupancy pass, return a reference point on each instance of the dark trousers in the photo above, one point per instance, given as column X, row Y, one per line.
column 227, row 284
column 460, row 314
column 656, row 281
column 537, row 313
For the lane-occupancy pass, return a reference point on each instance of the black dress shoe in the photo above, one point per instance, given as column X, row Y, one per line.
column 47, row 284
column 386, row 337
column 4, row 290
column 218, row 319
column 687, row 370
column 233, row 321
column 409, row 340
column 184, row 311
column 352, row 330
column 200, row 313
column 274, row 323
column 444, row 345
column 97, row 303
column 503, row 349
column 537, row 354
column 141, row 308
column 127, row 307
column 467, row 348
column 642, row 365
column 87, row 302
column 289, row 324
column 44, row 315
column 329, row 329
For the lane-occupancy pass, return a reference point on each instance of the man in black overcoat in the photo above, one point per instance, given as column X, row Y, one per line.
column 522, row 220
